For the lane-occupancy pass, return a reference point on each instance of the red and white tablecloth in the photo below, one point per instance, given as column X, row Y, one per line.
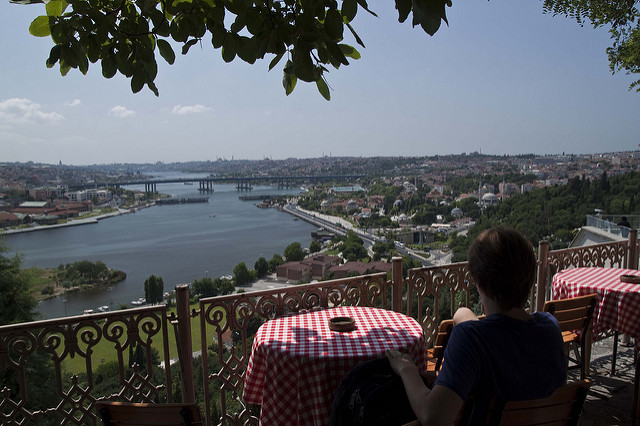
column 297, row 362
column 618, row 306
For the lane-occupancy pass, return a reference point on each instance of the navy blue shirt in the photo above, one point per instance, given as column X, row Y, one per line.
column 504, row 357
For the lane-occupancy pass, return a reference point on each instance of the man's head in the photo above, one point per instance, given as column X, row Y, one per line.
column 503, row 264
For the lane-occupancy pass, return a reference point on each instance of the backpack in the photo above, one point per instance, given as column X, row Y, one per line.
column 371, row 394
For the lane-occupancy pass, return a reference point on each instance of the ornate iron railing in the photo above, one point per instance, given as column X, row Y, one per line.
column 227, row 324
column 36, row 387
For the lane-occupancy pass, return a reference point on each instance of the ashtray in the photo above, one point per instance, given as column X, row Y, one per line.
column 342, row 324
column 633, row 279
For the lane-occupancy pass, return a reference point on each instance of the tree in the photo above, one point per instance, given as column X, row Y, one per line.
column 294, row 252
column 315, row 246
column 16, row 304
column 621, row 16
column 241, row 274
column 125, row 36
column 154, row 289
column 261, row 267
column 275, row 261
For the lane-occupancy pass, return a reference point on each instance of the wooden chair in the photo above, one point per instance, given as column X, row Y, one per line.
column 139, row 414
column 436, row 353
column 562, row 407
column 574, row 316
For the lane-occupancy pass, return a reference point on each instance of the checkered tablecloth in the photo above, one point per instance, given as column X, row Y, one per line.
column 618, row 306
column 297, row 362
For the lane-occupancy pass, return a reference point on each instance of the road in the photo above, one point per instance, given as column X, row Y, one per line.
column 341, row 226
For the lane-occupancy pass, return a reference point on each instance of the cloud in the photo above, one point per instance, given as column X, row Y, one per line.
column 120, row 112
column 73, row 103
column 24, row 111
column 189, row 109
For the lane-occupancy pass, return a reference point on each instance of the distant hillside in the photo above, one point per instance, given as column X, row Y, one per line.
column 555, row 213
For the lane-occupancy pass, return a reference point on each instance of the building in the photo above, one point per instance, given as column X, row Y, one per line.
column 314, row 267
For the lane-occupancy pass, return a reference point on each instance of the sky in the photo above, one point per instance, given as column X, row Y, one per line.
column 502, row 78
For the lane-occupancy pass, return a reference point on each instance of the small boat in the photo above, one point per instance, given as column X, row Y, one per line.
column 87, row 311
column 103, row 308
column 140, row 301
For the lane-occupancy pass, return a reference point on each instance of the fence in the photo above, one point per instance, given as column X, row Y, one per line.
column 227, row 324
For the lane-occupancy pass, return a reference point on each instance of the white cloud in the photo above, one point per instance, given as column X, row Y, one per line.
column 24, row 111
column 189, row 109
column 73, row 103
column 120, row 112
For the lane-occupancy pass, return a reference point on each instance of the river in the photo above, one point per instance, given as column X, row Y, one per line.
column 179, row 243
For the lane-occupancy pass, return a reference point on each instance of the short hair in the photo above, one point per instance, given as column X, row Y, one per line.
column 503, row 265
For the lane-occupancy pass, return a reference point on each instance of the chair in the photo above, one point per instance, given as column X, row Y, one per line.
column 436, row 353
column 574, row 316
column 562, row 407
column 142, row 414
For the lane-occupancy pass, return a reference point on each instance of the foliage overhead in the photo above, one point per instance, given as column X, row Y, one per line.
column 125, row 35
column 621, row 16
column 16, row 305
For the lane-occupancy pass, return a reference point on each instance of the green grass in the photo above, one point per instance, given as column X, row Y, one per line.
column 105, row 350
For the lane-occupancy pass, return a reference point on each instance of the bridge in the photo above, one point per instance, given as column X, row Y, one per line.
column 205, row 184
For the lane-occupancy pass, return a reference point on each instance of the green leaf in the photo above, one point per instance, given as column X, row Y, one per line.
column 54, row 56
column 357, row 37
column 349, row 10
column 187, row 45
column 275, row 61
column 363, row 4
column 333, row 24
column 40, row 27
column 247, row 49
column 109, row 68
column 229, row 48
column 138, row 80
column 336, row 52
column 428, row 14
column 349, row 51
column 323, row 88
column 404, row 7
column 55, row 7
column 289, row 79
column 166, row 51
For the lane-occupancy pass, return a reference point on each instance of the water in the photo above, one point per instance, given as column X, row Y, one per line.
column 179, row 243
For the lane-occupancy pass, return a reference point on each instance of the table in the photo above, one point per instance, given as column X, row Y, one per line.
column 618, row 304
column 297, row 362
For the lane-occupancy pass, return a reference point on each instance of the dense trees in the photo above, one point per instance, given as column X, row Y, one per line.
column 16, row 305
column 207, row 287
column 154, row 289
column 275, row 261
column 315, row 246
column 241, row 274
column 261, row 267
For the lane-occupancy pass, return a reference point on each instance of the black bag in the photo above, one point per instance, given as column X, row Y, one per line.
column 371, row 394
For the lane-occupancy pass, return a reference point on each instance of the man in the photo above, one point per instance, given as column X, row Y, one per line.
column 509, row 354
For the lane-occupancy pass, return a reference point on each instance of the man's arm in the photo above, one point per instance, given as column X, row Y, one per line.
column 437, row 406
column 464, row 314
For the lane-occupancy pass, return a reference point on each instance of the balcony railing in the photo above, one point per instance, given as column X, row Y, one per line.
column 227, row 324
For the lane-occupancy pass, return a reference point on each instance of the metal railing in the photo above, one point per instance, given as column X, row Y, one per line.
column 227, row 324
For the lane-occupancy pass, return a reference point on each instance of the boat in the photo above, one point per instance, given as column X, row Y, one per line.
column 103, row 308
column 140, row 301
column 87, row 311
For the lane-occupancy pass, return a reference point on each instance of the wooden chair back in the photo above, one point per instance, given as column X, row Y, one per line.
column 563, row 407
column 142, row 414
column 435, row 354
column 574, row 313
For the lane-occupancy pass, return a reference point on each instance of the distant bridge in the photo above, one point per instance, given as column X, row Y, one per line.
column 242, row 183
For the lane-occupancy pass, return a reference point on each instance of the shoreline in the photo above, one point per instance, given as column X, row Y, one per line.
column 77, row 222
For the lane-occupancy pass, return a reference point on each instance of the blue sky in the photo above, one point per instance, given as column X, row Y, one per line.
column 503, row 78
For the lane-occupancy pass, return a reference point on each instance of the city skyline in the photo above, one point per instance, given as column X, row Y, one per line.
column 501, row 79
